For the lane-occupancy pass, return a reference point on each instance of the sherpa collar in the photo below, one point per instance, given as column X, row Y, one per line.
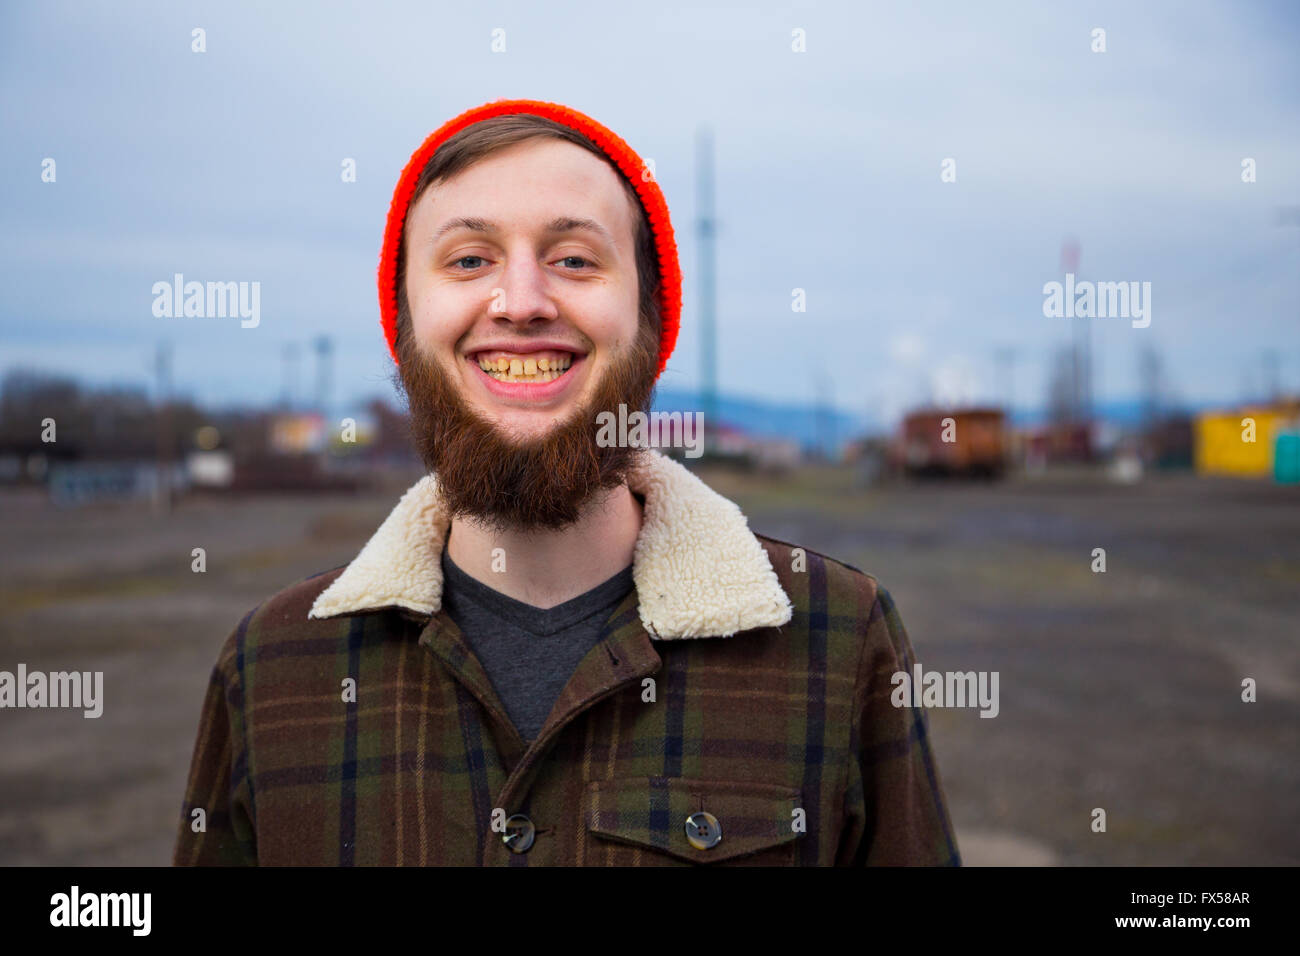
column 698, row 569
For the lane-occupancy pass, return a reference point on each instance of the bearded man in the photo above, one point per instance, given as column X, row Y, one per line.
column 556, row 650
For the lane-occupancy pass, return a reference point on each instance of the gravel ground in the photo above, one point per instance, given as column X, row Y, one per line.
column 1119, row 690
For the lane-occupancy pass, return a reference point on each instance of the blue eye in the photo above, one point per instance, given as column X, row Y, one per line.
column 463, row 258
column 577, row 258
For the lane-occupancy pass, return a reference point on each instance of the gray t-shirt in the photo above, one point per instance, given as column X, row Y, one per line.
column 529, row 653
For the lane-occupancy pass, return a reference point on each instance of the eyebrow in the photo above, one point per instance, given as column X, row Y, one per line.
column 559, row 224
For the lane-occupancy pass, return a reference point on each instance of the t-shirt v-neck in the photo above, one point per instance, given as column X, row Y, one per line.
column 543, row 622
column 529, row 653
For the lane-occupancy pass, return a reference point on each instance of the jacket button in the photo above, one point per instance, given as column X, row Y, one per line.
column 519, row 833
column 703, row 831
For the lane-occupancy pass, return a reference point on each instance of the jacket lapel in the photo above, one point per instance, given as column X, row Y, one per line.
column 698, row 569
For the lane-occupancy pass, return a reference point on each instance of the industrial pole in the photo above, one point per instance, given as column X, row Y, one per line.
column 289, row 356
column 706, row 230
column 1071, row 255
column 1149, row 375
column 324, row 349
column 823, row 423
column 1271, row 362
column 1006, row 359
column 162, row 499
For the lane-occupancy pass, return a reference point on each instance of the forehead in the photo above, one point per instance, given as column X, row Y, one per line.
column 526, row 186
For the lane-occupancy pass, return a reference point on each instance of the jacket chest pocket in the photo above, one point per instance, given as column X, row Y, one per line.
column 673, row 820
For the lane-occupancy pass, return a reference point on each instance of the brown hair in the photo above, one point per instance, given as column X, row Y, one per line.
column 482, row 139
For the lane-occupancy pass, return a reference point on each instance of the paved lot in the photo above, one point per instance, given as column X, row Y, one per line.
column 1118, row 690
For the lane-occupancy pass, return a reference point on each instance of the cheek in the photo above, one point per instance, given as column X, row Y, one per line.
column 609, row 319
column 440, row 315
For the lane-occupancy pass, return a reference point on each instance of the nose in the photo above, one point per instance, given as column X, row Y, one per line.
column 524, row 293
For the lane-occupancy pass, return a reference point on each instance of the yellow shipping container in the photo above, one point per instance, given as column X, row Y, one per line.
column 1221, row 449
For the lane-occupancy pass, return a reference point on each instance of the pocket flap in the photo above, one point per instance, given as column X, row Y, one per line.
column 652, row 812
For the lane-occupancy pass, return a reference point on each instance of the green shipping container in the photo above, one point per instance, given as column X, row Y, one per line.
column 1286, row 458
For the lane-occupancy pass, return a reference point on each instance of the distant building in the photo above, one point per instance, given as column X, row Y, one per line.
column 210, row 469
column 1170, row 442
column 1253, row 441
column 296, row 433
column 81, row 483
column 768, row 454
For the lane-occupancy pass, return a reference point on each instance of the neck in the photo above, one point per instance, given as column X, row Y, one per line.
column 547, row 568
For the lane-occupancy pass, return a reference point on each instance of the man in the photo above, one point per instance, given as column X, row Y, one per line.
column 554, row 651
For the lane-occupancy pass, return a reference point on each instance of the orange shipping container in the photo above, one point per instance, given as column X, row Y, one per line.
column 977, row 446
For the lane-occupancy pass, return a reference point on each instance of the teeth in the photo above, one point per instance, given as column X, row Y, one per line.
column 532, row 370
column 535, row 379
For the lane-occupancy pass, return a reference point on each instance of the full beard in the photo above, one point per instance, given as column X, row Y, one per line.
column 533, row 483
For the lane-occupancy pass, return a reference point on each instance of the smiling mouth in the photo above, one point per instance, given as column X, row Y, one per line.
column 535, row 368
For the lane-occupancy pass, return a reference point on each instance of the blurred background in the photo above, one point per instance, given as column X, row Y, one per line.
column 870, row 202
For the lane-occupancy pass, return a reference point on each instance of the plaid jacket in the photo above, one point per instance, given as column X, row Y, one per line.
column 743, row 677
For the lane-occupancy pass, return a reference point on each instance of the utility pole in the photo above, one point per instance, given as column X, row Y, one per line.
column 324, row 351
column 1071, row 255
column 706, row 231
column 289, row 369
column 1150, row 376
column 1271, row 362
column 823, row 411
column 1006, row 359
column 162, row 499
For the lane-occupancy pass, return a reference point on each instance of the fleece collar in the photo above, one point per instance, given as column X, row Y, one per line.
column 698, row 569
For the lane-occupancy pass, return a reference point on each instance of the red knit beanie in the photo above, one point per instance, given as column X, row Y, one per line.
column 628, row 163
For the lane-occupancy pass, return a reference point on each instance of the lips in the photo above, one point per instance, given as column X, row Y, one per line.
column 524, row 347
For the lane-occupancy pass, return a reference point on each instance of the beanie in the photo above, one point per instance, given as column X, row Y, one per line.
column 629, row 165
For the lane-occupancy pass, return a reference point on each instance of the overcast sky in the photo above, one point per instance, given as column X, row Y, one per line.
column 225, row 165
